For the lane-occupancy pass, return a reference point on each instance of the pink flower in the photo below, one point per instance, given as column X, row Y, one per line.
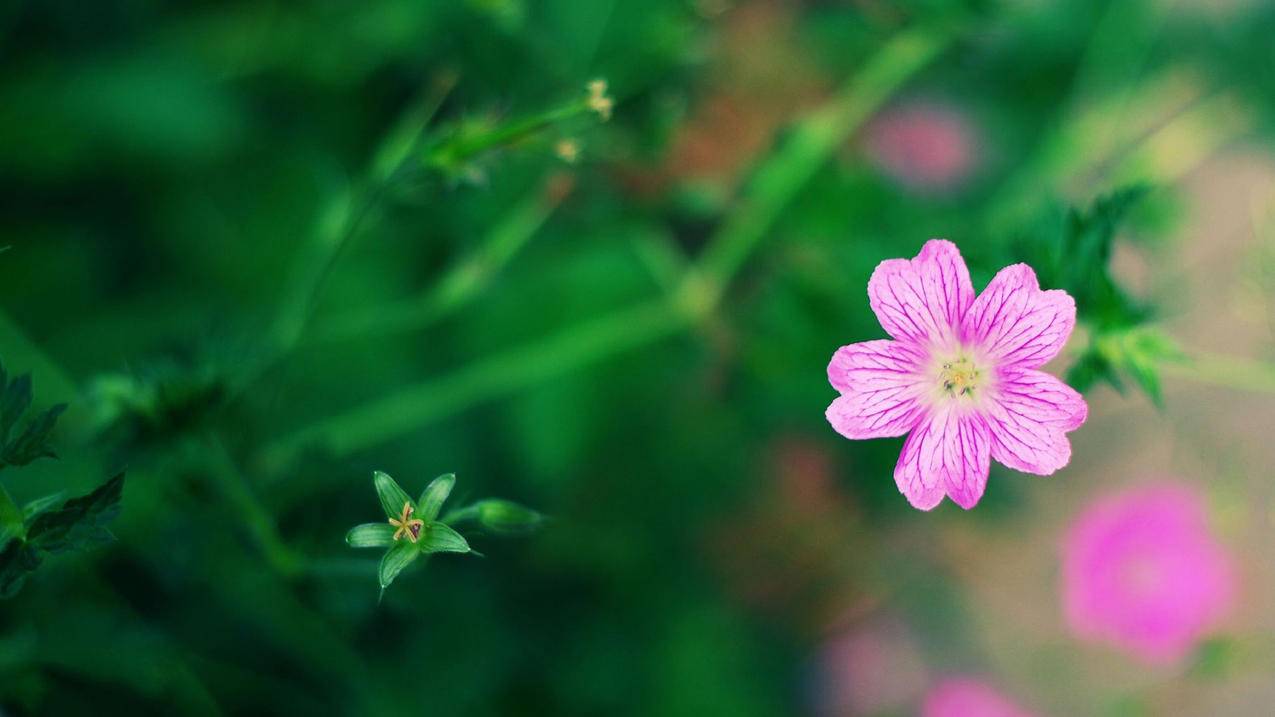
column 1142, row 571
column 960, row 375
column 967, row 697
column 927, row 146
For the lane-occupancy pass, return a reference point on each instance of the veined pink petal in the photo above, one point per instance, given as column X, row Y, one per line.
column 922, row 300
column 1028, row 414
column 947, row 452
column 1015, row 323
column 879, row 382
column 1043, row 397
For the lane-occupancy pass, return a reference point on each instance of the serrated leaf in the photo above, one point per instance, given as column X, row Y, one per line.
column 370, row 535
column 434, row 495
column 14, row 402
column 1075, row 255
column 392, row 496
column 395, row 560
column 440, row 538
column 80, row 522
column 33, row 444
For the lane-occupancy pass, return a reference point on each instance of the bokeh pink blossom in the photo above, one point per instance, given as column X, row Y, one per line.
column 1143, row 572
column 969, row 697
column 926, row 145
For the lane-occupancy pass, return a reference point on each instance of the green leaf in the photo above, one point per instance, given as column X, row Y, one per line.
column 1136, row 352
column 17, row 560
column 1075, row 255
column 370, row 535
column 392, row 496
column 39, row 505
column 34, row 441
column 439, row 538
column 506, row 517
column 434, row 495
column 12, row 524
column 395, row 560
column 14, row 402
column 80, row 522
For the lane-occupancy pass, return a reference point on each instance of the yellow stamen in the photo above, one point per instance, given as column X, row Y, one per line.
column 598, row 100
column 407, row 525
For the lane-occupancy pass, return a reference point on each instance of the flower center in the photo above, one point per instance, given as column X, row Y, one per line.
column 959, row 377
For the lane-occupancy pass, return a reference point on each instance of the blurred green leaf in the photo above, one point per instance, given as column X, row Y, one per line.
column 1075, row 255
column 1137, row 353
column 1215, row 658
column 503, row 517
column 17, row 560
column 370, row 535
column 12, row 523
column 39, row 505
column 13, row 403
column 80, row 522
column 392, row 496
column 434, row 495
column 33, row 443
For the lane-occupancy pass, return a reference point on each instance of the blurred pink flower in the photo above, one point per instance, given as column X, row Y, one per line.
column 968, row 697
column 873, row 669
column 925, row 145
column 1142, row 571
column 960, row 375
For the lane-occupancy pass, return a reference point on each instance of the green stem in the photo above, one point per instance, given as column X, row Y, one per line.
column 248, row 506
column 414, row 406
column 808, row 147
column 465, row 280
column 454, row 151
column 1227, row 371
column 775, row 184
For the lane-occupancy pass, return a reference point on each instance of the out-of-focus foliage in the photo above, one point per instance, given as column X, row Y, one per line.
column 262, row 249
column 39, row 528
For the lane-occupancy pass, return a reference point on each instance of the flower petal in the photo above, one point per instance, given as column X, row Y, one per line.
column 1016, row 323
column 948, row 453
column 435, row 494
column 879, row 383
column 392, row 496
column 922, row 300
column 1028, row 415
column 370, row 535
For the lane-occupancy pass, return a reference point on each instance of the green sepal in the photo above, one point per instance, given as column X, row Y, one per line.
column 434, row 495
column 439, row 538
column 392, row 496
column 370, row 535
column 395, row 560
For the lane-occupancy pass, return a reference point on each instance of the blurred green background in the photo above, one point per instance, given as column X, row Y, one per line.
column 266, row 248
